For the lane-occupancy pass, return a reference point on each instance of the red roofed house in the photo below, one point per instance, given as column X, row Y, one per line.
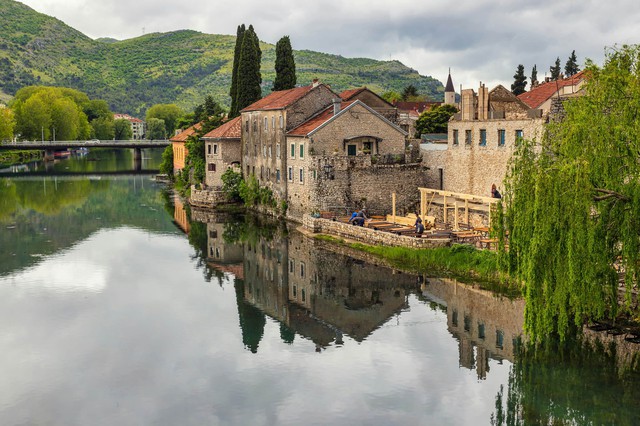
column 179, row 150
column 372, row 99
column 137, row 125
column 541, row 96
column 264, row 126
column 222, row 151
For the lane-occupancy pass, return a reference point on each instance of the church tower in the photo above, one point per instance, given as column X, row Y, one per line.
column 449, row 92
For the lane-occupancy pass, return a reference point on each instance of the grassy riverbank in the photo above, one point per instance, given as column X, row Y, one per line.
column 459, row 261
column 8, row 158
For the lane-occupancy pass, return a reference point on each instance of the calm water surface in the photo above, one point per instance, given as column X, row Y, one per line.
column 120, row 307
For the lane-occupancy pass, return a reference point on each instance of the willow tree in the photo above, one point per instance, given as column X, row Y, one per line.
column 572, row 204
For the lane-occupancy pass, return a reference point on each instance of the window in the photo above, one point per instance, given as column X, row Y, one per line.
column 467, row 323
column 292, row 268
column 301, row 150
column 302, row 269
column 281, row 122
column 209, row 149
column 481, row 330
column 268, row 173
column 366, row 147
column 314, row 175
column 261, row 172
column 455, row 137
column 293, row 150
column 301, row 175
column 483, row 137
column 277, row 175
column 454, row 318
column 264, row 151
column 519, row 136
column 501, row 135
column 290, row 174
column 246, row 126
column 304, row 295
column 255, row 125
column 212, row 167
column 467, row 137
column 270, row 151
column 278, row 150
column 351, row 150
column 273, row 122
column 266, row 124
column 499, row 339
column 215, row 149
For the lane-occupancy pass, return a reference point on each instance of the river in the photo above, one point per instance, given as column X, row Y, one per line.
column 120, row 306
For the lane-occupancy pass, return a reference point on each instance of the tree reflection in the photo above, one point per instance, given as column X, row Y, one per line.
column 578, row 383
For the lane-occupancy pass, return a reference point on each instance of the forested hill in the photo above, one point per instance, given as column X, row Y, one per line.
column 176, row 67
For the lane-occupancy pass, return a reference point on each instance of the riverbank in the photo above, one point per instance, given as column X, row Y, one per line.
column 9, row 158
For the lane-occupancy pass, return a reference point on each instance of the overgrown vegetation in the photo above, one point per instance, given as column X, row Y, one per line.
column 572, row 203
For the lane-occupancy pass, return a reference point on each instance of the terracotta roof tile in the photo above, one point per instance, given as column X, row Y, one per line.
column 538, row 95
column 279, row 100
column 348, row 94
column 316, row 121
column 414, row 106
column 184, row 135
column 230, row 130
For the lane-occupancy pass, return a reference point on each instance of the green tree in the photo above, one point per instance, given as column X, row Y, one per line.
column 231, row 181
column 249, row 77
column 122, row 130
column 534, row 76
column 409, row 92
column 435, row 120
column 65, row 120
column 33, row 119
column 571, row 67
column 170, row 113
column 571, row 211
column 7, row 124
column 555, row 70
column 166, row 166
column 97, row 108
column 391, row 97
column 156, row 129
column 519, row 81
column 233, row 91
column 285, row 65
column 103, row 128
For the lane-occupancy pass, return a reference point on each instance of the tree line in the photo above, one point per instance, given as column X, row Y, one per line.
column 519, row 85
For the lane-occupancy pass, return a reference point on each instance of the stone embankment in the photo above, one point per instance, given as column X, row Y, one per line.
column 367, row 235
column 206, row 197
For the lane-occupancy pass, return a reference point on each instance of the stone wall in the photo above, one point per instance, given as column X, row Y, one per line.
column 223, row 154
column 206, row 197
column 368, row 236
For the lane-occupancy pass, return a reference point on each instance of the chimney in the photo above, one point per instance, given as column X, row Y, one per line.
column 315, row 82
column 336, row 105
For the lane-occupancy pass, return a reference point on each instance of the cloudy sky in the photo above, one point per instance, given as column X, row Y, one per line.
column 481, row 40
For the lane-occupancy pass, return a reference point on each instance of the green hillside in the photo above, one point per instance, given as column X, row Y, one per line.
column 176, row 67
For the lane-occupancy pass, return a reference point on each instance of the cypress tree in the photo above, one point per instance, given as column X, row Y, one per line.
column 233, row 91
column 248, row 76
column 555, row 70
column 571, row 67
column 520, row 81
column 285, row 65
column 534, row 76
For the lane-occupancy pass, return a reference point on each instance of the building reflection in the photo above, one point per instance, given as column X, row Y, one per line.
column 487, row 326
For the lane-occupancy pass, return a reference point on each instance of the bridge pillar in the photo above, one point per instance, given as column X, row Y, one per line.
column 48, row 154
column 137, row 159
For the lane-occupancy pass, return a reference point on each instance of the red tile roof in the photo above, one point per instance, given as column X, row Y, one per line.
column 230, row 130
column 539, row 95
column 126, row 117
column 419, row 107
column 316, row 121
column 279, row 100
column 184, row 135
column 348, row 94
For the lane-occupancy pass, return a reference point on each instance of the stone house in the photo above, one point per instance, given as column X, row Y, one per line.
column 481, row 140
column 138, row 126
column 346, row 157
column 370, row 98
column 264, row 127
column 222, row 151
column 541, row 96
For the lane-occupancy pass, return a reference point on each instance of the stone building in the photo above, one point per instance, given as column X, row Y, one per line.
column 264, row 127
column 346, row 157
column 481, row 140
column 541, row 96
column 371, row 99
column 222, row 151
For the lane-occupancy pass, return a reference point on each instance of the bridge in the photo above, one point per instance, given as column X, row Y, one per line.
column 49, row 147
column 53, row 145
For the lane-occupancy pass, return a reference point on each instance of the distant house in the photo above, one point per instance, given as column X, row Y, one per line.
column 222, row 151
column 409, row 112
column 137, row 125
column 541, row 96
column 374, row 101
column 178, row 145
